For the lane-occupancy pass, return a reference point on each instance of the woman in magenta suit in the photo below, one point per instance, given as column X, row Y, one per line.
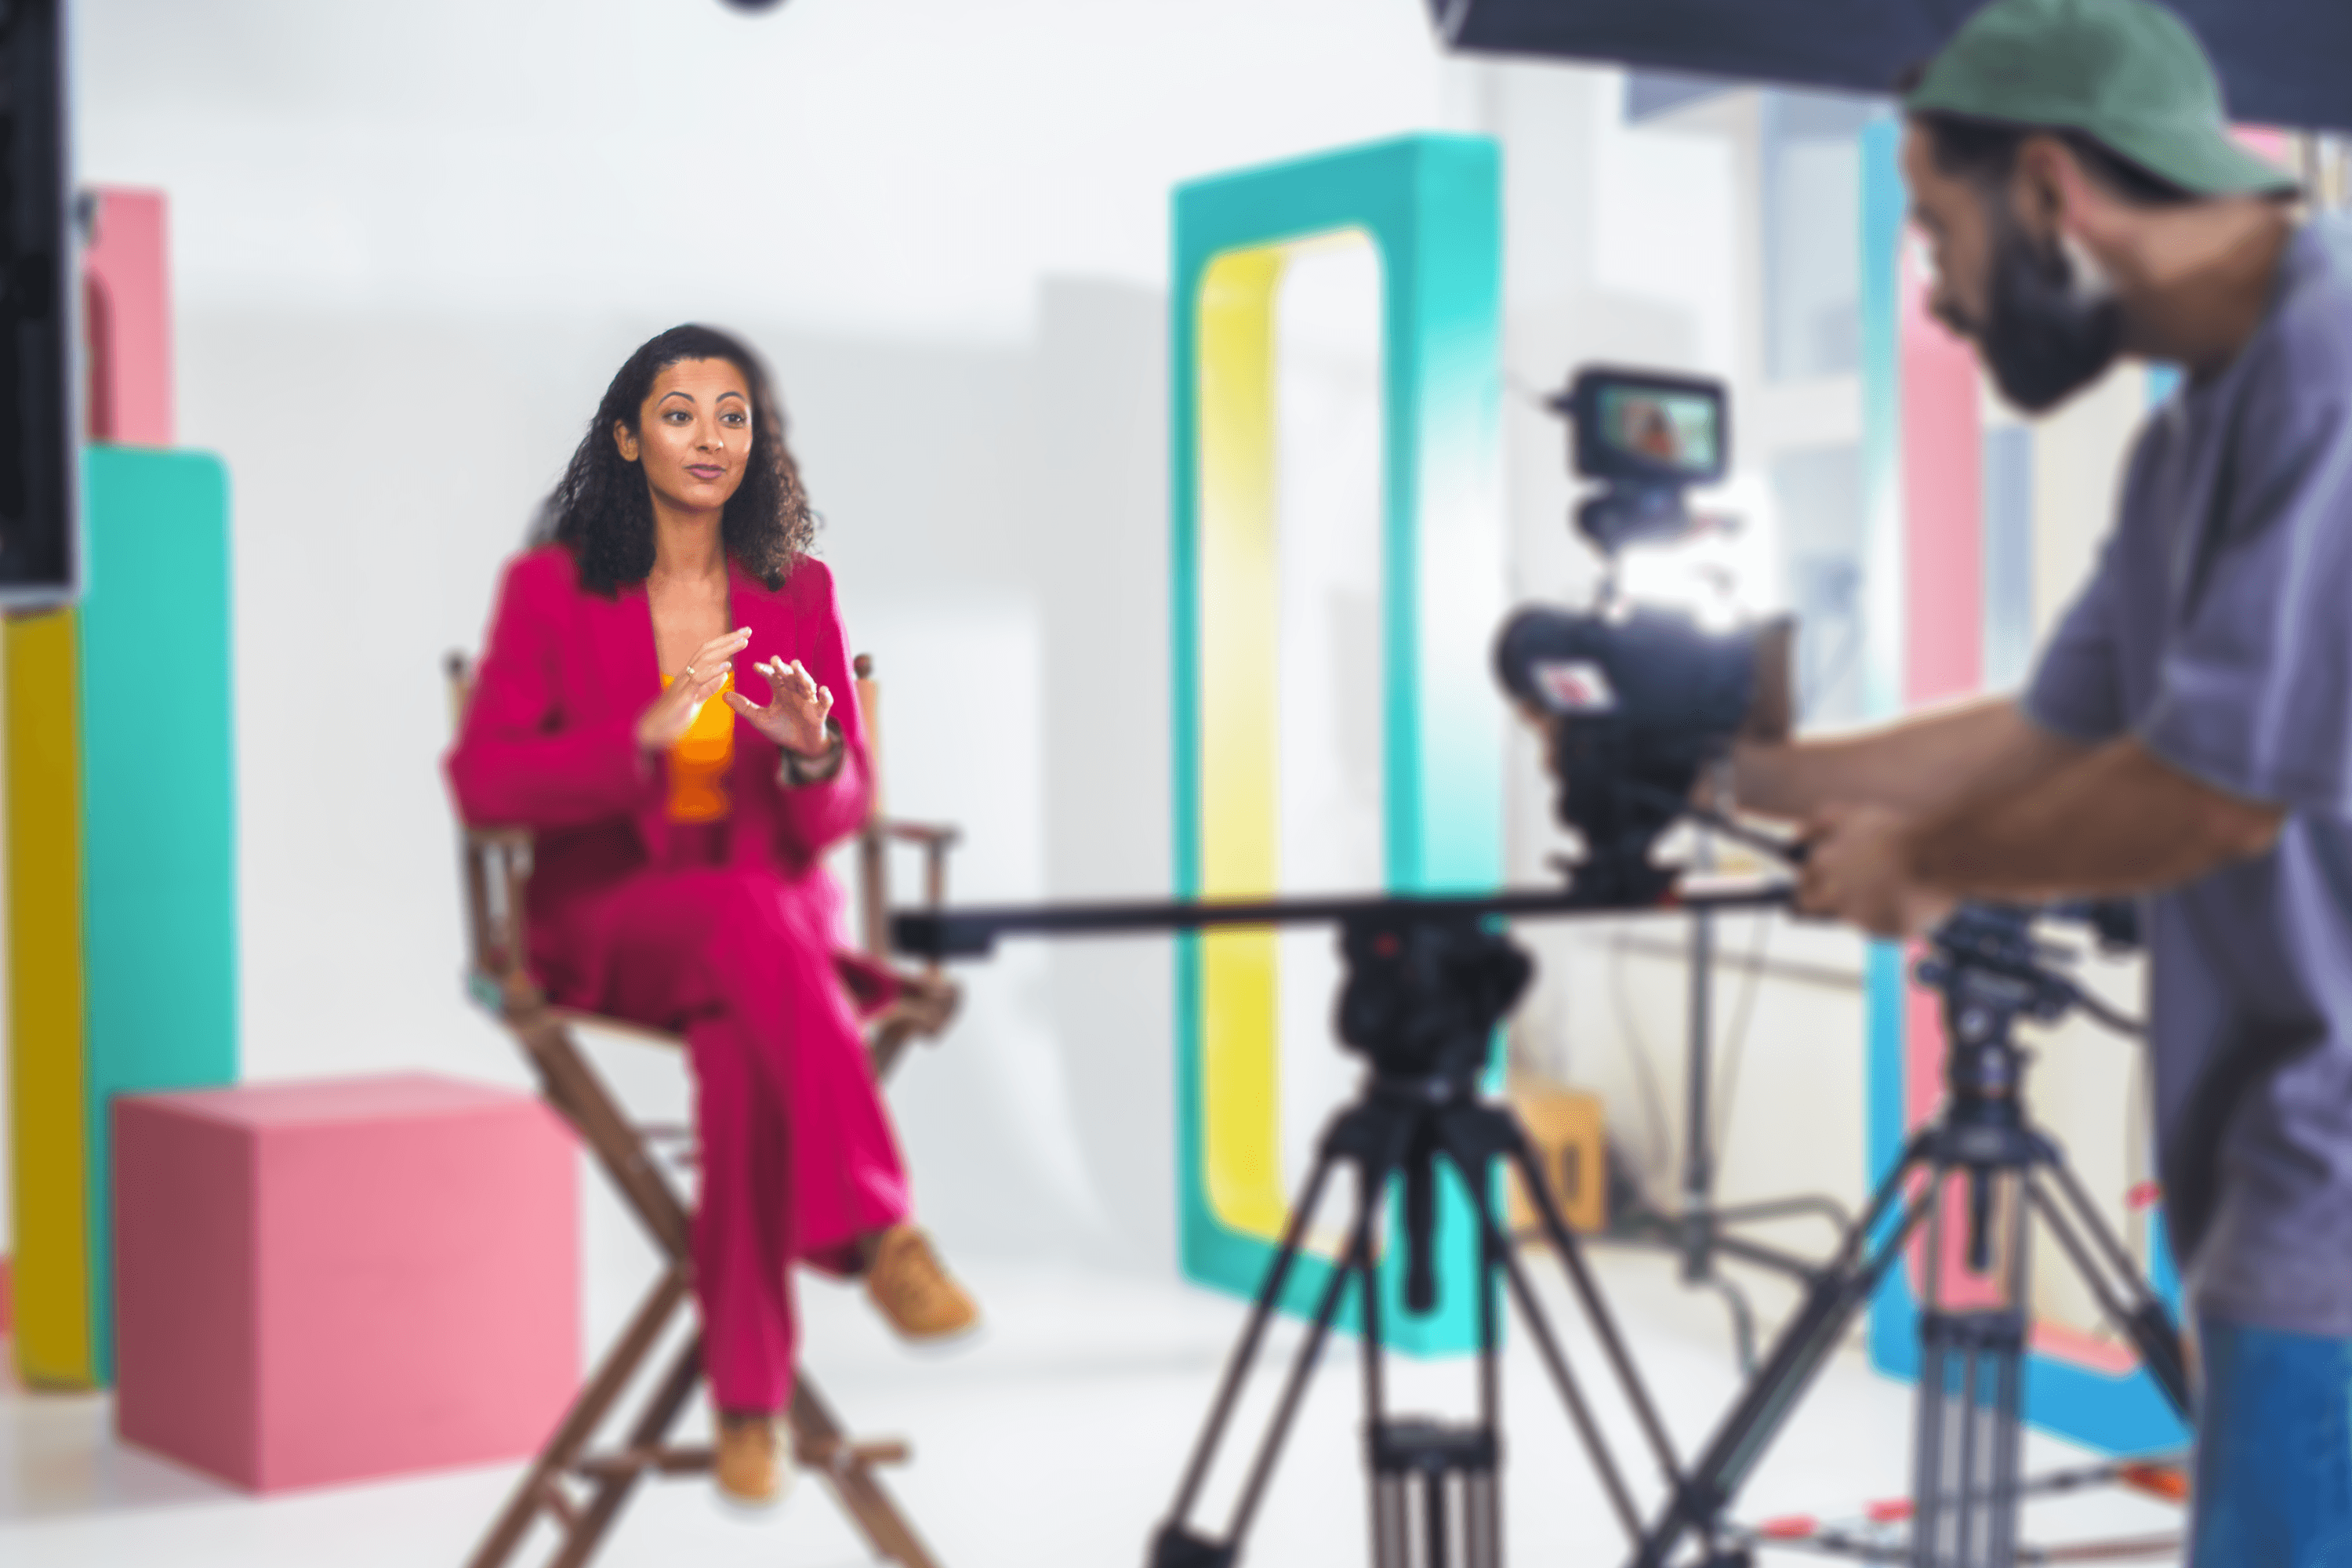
column 678, row 830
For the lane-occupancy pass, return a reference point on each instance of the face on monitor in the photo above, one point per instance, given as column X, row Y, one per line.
column 1639, row 426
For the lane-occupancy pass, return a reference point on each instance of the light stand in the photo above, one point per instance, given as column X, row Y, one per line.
column 1698, row 1233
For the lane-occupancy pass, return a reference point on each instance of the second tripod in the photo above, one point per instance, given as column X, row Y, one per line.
column 1984, row 1169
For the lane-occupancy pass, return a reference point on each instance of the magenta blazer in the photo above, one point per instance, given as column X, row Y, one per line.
column 549, row 742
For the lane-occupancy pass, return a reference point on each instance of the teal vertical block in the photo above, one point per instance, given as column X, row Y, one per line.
column 159, row 803
column 1431, row 207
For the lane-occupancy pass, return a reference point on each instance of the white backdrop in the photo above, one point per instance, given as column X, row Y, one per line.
column 411, row 243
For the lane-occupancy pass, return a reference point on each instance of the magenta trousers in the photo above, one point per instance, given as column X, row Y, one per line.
column 797, row 1156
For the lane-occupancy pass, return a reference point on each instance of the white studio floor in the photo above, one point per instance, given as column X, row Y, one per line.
column 1055, row 1440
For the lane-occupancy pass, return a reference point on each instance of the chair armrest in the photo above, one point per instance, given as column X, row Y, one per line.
column 934, row 839
column 923, row 833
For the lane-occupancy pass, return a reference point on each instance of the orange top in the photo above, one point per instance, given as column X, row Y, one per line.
column 699, row 761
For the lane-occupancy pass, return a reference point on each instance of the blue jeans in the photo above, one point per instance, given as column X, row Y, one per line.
column 2273, row 1484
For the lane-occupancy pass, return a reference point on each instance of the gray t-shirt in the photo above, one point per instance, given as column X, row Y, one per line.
column 2218, row 630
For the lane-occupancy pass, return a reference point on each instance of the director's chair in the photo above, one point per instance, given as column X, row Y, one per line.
column 578, row 1492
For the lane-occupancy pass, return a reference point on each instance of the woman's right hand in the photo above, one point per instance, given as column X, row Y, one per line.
column 660, row 726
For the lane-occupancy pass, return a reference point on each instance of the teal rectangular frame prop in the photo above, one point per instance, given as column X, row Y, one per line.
column 1431, row 207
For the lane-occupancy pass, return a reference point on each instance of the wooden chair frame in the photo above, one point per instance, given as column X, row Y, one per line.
column 496, row 864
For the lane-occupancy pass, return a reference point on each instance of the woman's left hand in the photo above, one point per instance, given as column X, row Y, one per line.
column 797, row 706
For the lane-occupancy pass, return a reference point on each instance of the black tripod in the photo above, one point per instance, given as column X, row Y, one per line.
column 2003, row 1173
column 1427, row 981
column 1422, row 1000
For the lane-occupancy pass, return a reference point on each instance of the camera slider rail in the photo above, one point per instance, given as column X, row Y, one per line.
column 973, row 932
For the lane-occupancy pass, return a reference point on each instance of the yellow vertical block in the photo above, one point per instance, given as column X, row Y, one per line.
column 1239, row 600
column 47, row 1136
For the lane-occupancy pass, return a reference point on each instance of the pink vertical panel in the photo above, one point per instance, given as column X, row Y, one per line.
column 1943, row 593
column 1943, row 505
column 1943, row 637
column 127, row 319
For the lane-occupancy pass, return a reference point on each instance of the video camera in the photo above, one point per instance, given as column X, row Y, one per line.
column 1637, row 699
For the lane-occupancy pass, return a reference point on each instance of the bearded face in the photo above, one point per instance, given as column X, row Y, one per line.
column 2051, row 324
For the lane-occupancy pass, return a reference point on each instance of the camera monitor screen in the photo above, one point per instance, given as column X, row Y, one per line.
column 1632, row 424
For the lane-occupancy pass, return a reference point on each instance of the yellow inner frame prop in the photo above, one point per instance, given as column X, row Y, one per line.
column 1240, row 856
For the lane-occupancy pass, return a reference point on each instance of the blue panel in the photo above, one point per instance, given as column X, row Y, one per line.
column 1893, row 1318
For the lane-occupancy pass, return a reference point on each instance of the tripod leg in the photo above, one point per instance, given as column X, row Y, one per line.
column 2122, row 1294
column 2009, row 1385
column 1260, row 1314
column 2009, row 1414
column 1473, row 1138
column 1358, row 1262
column 1572, row 1393
column 1818, row 1206
column 1930, row 1487
column 1388, row 1502
column 1965, row 1495
column 1842, row 1287
column 1481, row 1491
column 1588, row 1296
column 1743, row 1321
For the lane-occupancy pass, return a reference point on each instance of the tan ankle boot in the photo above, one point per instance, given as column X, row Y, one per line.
column 912, row 1291
column 754, row 1463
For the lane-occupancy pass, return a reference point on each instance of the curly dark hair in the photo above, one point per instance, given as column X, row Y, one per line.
column 602, row 510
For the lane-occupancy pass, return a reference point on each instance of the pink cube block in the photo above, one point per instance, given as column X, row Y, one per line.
column 328, row 1281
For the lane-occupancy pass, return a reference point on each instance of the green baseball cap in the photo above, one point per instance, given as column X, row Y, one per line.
column 2128, row 74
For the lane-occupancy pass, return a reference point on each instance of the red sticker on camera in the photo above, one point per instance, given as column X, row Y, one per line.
column 1576, row 686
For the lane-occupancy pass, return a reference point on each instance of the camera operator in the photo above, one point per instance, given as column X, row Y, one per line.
column 2188, row 732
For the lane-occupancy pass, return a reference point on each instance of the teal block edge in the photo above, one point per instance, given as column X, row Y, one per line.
column 159, row 804
column 2119, row 1415
column 1433, row 207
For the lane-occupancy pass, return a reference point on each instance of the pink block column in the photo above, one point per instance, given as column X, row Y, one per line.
column 331, row 1282
column 127, row 318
